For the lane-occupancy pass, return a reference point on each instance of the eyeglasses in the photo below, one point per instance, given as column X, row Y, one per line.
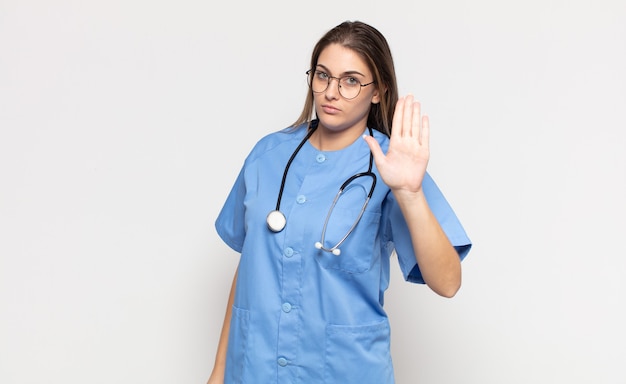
column 349, row 87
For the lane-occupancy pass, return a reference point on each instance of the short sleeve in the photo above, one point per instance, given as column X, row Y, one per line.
column 399, row 239
column 230, row 223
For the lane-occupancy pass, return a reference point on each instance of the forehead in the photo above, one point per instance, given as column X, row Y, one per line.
column 339, row 59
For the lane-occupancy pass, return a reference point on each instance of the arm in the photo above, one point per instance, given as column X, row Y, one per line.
column 217, row 375
column 438, row 260
column 403, row 169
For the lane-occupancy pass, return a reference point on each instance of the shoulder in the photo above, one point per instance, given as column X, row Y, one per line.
column 286, row 139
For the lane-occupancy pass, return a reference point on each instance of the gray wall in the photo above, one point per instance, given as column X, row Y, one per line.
column 124, row 123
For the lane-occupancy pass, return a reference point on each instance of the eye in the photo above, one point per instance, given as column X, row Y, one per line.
column 321, row 75
column 350, row 81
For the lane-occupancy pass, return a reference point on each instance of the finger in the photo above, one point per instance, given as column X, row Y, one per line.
column 425, row 132
column 407, row 118
column 396, row 124
column 416, row 120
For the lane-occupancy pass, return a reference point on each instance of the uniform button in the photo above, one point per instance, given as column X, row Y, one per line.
column 320, row 158
column 286, row 307
column 300, row 199
column 288, row 252
column 282, row 361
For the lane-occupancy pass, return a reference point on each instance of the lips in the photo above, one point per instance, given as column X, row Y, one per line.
column 329, row 109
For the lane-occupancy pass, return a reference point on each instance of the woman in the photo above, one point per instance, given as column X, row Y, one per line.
column 316, row 212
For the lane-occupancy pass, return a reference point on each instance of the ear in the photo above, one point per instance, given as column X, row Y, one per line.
column 376, row 96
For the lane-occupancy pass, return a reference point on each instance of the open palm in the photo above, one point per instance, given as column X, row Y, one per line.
column 403, row 167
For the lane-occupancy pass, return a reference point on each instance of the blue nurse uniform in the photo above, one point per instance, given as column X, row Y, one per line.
column 300, row 314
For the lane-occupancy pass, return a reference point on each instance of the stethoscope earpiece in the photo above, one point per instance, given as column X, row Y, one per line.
column 334, row 251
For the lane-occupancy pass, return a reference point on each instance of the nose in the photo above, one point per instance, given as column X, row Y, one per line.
column 332, row 92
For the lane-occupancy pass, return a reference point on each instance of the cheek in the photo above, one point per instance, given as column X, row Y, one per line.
column 317, row 100
column 362, row 108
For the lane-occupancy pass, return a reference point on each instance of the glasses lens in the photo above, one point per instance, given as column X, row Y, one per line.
column 317, row 81
column 349, row 88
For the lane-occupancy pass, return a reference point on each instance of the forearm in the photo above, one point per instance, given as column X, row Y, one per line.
column 217, row 376
column 438, row 261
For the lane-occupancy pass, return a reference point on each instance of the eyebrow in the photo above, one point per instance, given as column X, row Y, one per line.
column 347, row 73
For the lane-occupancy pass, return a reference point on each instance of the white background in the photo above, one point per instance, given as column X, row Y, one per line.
column 123, row 124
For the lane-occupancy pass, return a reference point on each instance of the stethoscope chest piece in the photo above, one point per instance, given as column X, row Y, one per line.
column 276, row 221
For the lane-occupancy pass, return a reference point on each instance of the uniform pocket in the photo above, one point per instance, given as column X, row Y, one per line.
column 358, row 354
column 237, row 345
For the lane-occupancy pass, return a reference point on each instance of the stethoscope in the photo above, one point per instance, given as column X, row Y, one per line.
column 276, row 220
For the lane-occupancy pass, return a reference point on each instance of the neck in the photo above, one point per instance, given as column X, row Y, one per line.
column 327, row 140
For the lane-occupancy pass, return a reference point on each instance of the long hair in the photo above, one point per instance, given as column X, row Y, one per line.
column 372, row 47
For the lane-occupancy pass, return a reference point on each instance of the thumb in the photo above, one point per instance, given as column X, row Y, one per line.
column 377, row 152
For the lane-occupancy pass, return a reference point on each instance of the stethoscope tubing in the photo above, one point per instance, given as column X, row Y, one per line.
column 276, row 220
column 335, row 249
column 293, row 156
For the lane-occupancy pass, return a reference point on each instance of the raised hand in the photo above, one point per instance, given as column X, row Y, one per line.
column 403, row 167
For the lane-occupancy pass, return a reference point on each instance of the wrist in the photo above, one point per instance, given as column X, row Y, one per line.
column 408, row 196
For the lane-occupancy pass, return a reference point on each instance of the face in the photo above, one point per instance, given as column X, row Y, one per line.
column 335, row 112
